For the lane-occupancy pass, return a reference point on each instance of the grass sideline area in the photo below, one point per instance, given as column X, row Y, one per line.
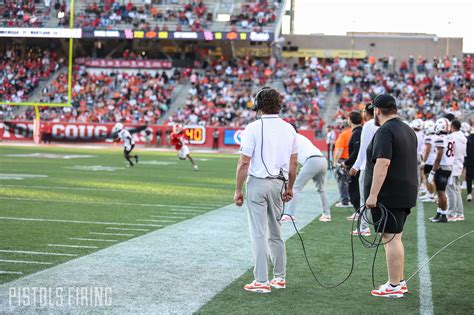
column 77, row 189
column 88, row 188
column 328, row 248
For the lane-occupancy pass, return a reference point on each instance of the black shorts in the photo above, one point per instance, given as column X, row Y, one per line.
column 427, row 169
column 395, row 220
column 127, row 152
column 441, row 178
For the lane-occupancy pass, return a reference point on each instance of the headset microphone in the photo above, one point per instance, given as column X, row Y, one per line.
column 257, row 103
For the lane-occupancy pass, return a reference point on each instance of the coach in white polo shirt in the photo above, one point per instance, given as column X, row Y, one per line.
column 269, row 156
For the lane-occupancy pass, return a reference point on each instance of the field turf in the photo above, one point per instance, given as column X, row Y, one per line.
column 101, row 195
column 83, row 196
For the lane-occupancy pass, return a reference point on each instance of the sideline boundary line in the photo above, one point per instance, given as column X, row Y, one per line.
column 426, row 299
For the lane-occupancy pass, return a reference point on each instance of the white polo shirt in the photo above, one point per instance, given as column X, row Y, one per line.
column 368, row 132
column 420, row 136
column 460, row 147
column 306, row 149
column 279, row 143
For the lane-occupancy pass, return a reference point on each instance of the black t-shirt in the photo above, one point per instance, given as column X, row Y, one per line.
column 397, row 142
column 354, row 145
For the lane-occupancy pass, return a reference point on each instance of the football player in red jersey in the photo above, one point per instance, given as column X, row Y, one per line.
column 178, row 139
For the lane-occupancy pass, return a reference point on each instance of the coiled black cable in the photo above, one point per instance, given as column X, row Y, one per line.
column 378, row 240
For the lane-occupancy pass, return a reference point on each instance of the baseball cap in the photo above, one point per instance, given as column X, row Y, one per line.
column 384, row 101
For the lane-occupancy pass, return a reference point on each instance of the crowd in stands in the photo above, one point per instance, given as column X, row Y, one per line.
column 423, row 88
column 20, row 76
column 221, row 91
column 192, row 15
column 109, row 14
column 31, row 13
column 255, row 15
column 137, row 98
column 21, row 14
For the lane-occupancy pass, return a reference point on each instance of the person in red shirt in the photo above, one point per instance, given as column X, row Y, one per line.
column 180, row 142
column 47, row 132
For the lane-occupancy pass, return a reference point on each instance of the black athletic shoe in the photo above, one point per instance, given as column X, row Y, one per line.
column 441, row 219
column 130, row 165
column 436, row 217
column 136, row 159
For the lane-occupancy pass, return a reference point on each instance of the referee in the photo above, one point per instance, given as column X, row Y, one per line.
column 269, row 156
column 391, row 180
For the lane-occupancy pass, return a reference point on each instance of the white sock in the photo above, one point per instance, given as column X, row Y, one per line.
column 444, row 212
column 439, row 210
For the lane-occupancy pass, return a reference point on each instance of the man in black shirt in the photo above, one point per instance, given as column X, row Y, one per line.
column 355, row 120
column 391, row 182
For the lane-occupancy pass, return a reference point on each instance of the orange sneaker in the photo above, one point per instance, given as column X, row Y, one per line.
column 386, row 290
column 258, row 287
column 278, row 283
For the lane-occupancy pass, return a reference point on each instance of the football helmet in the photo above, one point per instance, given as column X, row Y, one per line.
column 177, row 128
column 442, row 126
column 417, row 124
column 117, row 127
column 429, row 127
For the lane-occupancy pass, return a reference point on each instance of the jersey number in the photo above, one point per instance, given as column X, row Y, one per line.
column 450, row 150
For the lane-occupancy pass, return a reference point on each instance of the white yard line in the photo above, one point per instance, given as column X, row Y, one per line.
column 426, row 298
column 2, row 272
column 126, row 229
column 109, row 189
column 77, row 222
column 35, row 253
column 31, row 262
column 177, row 207
column 185, row 210
column 91, row 239
column 150, row 220
column 71, row 246
column 166, row 216
column 114, row 234
column 142, row 270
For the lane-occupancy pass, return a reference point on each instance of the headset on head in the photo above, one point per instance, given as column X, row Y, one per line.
column 257, row 103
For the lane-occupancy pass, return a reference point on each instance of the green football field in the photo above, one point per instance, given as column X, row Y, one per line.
column 59, row 204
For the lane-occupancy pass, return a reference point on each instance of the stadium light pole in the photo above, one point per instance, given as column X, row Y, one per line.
column 447, row 39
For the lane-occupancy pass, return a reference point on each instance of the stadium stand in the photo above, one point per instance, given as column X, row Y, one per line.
column 220, row 94
column 177, row 15
column 109, row 96
column 425, row 89
column 20, row 76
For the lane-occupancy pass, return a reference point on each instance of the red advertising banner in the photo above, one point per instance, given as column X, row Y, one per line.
column 157, row 136
column 122, row 63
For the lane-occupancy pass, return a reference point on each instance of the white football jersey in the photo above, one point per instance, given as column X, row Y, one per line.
column 127, row 138
column 447, row 143
column 429, row 139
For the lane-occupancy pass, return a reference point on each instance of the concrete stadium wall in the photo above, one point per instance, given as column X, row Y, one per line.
column 401, row 47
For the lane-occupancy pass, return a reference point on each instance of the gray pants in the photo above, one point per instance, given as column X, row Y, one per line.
column 314, row 168
column 453, row 192
column 342, row 179
column 363, row 224
column 265, row 207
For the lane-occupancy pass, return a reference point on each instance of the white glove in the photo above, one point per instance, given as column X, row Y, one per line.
column 431, row 177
